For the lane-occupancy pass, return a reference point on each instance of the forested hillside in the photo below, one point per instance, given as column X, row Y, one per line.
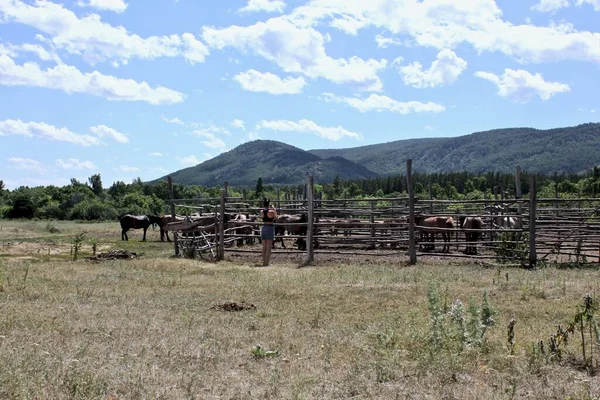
column 562, row 150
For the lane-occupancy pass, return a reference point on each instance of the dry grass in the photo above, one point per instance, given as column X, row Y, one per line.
column 144, row 328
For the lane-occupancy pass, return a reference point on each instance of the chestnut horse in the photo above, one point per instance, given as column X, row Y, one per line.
column 423, row 225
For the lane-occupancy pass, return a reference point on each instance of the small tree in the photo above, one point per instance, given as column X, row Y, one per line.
column 96, row 184
column 259, row 187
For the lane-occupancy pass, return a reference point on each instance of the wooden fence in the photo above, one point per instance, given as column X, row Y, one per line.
column 552, row 230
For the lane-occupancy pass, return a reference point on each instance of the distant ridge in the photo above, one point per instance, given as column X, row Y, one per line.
column 562, row 150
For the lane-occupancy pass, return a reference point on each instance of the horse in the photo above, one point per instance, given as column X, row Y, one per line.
column 291, row 224
column 501, row 221
column 470, row 236
column 138, row 222
column 424, row 225
column 166, row 219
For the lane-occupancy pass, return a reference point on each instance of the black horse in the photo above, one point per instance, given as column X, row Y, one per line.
column 138, row 222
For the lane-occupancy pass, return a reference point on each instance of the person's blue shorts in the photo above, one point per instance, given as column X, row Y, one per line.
column 267, row 232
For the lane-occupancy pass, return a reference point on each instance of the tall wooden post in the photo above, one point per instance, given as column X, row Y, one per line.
column 430, row 198
column 225, row 186
column 372, row 245
column 310, row 256
column 502, row 191
column 412, row 249
column 278, row 200
column 518, row 187
column 532, row 217
column 171, row 197
column 221, row 252
column 244, row 194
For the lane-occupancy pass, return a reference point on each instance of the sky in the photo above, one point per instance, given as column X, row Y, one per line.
column 132, row 88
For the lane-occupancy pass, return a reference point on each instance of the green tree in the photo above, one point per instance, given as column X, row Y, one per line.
column 1, row 185
column 337, row 185
column 259, row 187
column 22, row 205
column 96, row 184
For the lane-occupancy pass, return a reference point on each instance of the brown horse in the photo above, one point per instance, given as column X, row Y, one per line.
column 424, row 225
column 166, row 219
column 471, row 237
column 137, row 222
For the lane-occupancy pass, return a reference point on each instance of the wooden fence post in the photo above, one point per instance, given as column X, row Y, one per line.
column 278, row 199
column 310, row 256
column 372, row 245
column 430, row 198
column 518, row 187
column 171, row 197
column 532, row 217
column 412, row 250
column 225, row 186
column 221, row 252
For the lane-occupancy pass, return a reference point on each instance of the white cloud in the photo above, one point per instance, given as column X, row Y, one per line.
column 520, row 85
column 239, row 124
column 34, row 182
column 383, row 42
column 73, row 163
column 14, row 50
column 155, row 154
column 175, row 120
column 380, row 103
column 594, row 3
column 307, row 126
column 188, row 160
column 11, row 127
column 269, row 6
column 127, row 168
column 255, row 81
column 70, row 80
column 26, row 164
column 429, row 128
column 210, row 139
column 296, row 50
column 210, row 127
column 95, row 40
column 448, row 23
column 445, row 70
column 253, row 136
column 158, row 169
column 117, row 6
column 547, row 6
column 104, row 131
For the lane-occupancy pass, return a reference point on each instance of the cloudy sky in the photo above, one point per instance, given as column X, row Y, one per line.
column 132, row 88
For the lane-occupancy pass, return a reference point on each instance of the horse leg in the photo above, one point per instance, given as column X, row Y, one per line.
column 144, row 237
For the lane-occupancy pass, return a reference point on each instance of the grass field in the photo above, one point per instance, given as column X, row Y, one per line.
column 144, row 328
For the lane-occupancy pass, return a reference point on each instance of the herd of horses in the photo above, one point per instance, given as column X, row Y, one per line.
column 247, row 226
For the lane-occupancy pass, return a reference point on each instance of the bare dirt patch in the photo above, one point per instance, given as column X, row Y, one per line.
column 113, row 255
column 233, row 306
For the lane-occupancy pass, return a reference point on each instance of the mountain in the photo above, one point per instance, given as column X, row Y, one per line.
column 275, row 162
column 569, row 150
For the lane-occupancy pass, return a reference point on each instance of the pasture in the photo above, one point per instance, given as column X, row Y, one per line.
column 345, row 327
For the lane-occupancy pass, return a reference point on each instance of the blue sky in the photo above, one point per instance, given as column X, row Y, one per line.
column 129, row 88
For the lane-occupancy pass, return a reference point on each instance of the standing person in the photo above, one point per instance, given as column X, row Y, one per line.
column 267, row 234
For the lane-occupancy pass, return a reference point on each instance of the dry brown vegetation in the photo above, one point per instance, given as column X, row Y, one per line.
column 144, row 328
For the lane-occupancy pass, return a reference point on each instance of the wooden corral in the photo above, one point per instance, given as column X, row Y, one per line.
column 520, row 231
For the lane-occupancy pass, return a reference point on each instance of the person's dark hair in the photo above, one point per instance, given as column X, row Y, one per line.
column 265, row 202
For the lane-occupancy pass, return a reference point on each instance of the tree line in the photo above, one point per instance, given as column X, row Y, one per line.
column 92, row 201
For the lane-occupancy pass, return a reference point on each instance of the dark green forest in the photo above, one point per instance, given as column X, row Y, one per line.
column 92, row 201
